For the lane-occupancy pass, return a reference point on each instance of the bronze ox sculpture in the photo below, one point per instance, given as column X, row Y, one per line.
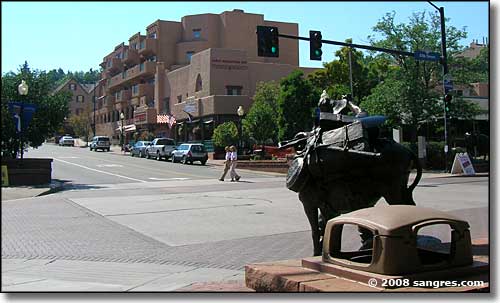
column 343, row 165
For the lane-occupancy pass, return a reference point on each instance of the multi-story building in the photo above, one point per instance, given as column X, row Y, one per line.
column 81, row 99
column 198, row 71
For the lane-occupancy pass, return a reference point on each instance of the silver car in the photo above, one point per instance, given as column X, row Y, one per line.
column 67, row 140
column 100, row 142
column 190, row 152
column 160, row 148
column 139, row 149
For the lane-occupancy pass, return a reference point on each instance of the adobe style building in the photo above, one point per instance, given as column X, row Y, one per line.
column 198, row 70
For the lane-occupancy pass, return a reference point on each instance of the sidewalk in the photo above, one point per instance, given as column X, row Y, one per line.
column 22, row 192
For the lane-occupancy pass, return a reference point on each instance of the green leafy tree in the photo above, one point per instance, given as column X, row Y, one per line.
column 82, row 124
column 225, row 134
column 260, row 124
column 465, row 70
column 48, row 118
column 296, row 103
column 418, row 98
column 335, row 78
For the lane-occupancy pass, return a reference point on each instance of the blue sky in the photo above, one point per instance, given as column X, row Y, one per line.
column 77, row 35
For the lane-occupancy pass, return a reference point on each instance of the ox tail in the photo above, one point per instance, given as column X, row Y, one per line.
column 419, row 173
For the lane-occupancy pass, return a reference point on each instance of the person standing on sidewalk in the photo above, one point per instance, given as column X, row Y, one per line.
column 227, row 163
column 234, row 162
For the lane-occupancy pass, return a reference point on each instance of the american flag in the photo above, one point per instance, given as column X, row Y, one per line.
column 166, row 119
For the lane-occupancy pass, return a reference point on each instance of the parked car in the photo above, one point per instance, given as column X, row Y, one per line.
column 139, row 149
column 67, row 140
column 100, row 142
column 160, row 148
column 190, row 152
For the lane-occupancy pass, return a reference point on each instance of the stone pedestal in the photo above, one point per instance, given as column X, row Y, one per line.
column 29, row 171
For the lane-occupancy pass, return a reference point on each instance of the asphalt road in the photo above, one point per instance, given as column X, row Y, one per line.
column 132, row 224
column 81, row 167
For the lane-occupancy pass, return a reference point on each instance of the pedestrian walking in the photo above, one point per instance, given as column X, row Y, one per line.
column 227, row 163
column 234, row 162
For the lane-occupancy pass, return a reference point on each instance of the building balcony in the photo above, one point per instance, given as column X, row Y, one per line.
column 144, row 90
column 131, row 57
column 147, row 69
column 148, row 46
column 115, row 65
column 109, row 101
column 123, row 96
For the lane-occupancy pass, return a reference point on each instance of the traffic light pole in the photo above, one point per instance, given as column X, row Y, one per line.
column 444, row 62
column 352, row 45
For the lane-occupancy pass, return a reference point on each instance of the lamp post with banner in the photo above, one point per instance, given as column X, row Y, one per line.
column 240, row 113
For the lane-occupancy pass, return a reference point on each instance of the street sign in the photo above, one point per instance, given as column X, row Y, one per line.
column 24, row 110
column 427, row 56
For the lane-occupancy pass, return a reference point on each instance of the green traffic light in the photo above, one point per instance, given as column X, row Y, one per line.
column 317, row 52
column 273, row 49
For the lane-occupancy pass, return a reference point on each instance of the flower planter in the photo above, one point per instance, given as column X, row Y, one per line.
column 29, row 171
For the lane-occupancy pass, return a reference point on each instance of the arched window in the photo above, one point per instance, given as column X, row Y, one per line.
column 199, row 83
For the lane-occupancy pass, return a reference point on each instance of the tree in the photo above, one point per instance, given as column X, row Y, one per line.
column 48, row 118
column 296, row 103
column 418, row 97
column 335, row 78
column 82, row 124
column 225, row 134
column 260, row 124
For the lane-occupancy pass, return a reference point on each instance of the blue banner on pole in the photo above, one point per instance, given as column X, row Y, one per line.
column 22, row 110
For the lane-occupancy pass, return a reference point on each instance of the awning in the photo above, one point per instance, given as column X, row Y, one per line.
column 209, row 121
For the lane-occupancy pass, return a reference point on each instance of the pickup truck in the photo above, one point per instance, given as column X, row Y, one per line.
column 160, row 148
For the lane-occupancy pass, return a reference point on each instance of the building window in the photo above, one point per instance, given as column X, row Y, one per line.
column 79, row 98
column 134, row 45
column 141, row 44
column 234, row 90
column 141, row 67
column 72, row 86
column 189, row 55
column 152, row 59
column 199, row 83
column 152, row 35
column 124, row 74
column 197, row 33
column 135, row 89
column 179, row 99
column 151, row 81
column 166, row 105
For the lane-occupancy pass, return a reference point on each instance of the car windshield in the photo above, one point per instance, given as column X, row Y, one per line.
column 197, row 148
column 183, row 147
column 67, row 138
column 105, row 139
column 165, row 142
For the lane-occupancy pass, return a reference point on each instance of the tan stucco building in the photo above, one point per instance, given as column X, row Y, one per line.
column 206, row 65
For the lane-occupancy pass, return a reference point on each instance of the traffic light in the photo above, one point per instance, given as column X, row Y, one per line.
column 447, row 103
column 267, row 41
column 315, row 45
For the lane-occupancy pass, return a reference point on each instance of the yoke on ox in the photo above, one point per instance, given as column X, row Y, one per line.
column 342, row 165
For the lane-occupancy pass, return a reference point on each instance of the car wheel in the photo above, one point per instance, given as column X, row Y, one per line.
column 158, row 156
column 141, row 154
column 108, row 149
column 172, row 158
column 184, row 160
column 131, row 154
column 203, row 162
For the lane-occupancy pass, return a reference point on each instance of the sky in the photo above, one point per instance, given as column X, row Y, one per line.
column 75, row 36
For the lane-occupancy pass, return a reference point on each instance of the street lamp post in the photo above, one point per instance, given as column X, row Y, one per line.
column 94, row 105
column 240, row 113
column 22, row 89
column 122, row 116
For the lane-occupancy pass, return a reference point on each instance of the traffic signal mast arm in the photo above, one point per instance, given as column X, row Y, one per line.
column 373, row 48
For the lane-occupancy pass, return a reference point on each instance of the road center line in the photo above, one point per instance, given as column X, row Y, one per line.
column 99, row 171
